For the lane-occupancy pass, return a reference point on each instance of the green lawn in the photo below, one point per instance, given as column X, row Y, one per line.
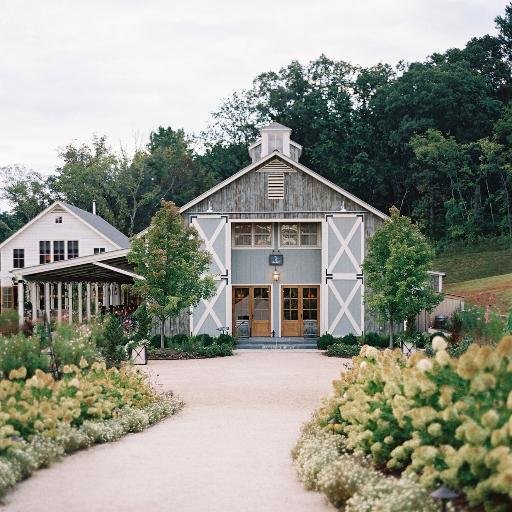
column 467, row 265
column 495, row 290
column 483, row 275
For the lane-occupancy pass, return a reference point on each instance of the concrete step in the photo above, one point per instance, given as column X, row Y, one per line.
column 279, row 343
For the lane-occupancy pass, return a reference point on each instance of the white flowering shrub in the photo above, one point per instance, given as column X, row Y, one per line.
column 315, row 449
column 442, row 420
column 42, row 419
column 349, row 480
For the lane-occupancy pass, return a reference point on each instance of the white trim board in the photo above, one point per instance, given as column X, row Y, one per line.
column 292, row 163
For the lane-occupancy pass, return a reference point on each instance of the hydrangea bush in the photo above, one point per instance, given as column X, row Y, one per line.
column 441, row 420
column 42, row 418
column 350, row 481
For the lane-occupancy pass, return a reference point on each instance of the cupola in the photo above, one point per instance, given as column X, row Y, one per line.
column 275, row 137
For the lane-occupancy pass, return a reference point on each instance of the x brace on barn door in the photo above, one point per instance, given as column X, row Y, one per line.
column 212, row 314
column 342, row 255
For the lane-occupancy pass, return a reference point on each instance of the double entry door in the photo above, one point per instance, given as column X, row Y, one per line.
column 298, row 303
column 252, row 304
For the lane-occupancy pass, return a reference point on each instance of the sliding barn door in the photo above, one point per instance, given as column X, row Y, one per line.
column 342, row 257
column 213, row 314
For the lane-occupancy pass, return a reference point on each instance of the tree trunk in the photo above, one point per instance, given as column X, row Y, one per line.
column 162, row 338
column 391, row 334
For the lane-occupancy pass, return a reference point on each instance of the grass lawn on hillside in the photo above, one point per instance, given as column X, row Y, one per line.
column 468, row 265
column 495, row 290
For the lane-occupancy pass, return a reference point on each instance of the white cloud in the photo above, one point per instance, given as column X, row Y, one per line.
column 120, row 68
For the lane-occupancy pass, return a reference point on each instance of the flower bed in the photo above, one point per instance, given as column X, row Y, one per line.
column 201, row 346
column 441, row 420
column 42, row 418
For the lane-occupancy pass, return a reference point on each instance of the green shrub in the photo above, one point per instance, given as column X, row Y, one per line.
column 215, row 350
column 17, row 351
column 374, row 339
column 154, row 341
column 204, row 340
column 178, row 340
column 223, row 339
column 325, row 341
column 8, row 320
column 349, row 339
column 472, row 322
column 111, row 340
column 144, row 321
column 342, row 350
column 71, row 343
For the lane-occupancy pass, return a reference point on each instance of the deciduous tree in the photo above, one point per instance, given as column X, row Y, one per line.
column 396, row 272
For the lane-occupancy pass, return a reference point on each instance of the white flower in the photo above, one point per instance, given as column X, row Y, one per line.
column 424, row 365
column 439, row 343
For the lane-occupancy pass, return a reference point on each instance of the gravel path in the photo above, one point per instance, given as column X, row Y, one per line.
column 227, row 451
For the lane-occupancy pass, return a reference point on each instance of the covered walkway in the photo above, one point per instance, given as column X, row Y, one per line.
column 74, row 289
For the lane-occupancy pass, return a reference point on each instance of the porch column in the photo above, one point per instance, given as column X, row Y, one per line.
column 70, row 303
column 88, row 301
column 105, row 296
column 59, row 302
column 47, row 308
column 33, row 300
column 97, row 297
column 80, row 316
column 21, row 296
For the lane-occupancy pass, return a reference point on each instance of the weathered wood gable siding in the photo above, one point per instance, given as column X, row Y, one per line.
column 304, row 197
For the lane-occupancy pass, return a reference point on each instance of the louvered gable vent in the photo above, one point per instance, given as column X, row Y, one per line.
column 275, row 171
column 276, row 185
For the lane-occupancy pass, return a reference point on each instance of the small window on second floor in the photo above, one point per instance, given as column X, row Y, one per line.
column 72, row 249
column 58, row 220
column 99, row 250
column 58, row 250
column 18, row 258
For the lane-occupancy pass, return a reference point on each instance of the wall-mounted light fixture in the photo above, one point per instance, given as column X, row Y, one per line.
column 275, row 275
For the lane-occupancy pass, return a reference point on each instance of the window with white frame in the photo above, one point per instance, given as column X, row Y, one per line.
column 45, row 251
column 295, row 234
column 58, row 250
column 18, row 258
column 99, row 250
column 72, row 249
column 248, row 234
column 58, row 220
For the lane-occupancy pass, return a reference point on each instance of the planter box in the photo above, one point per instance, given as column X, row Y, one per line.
column 139, row 355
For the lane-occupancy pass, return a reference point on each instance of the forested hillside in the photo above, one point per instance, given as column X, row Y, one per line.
column 433, row 138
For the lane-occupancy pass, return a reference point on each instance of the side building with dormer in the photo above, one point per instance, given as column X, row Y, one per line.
column 60, row 232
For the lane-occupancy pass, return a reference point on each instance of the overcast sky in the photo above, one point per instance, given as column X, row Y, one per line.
column 121, row 68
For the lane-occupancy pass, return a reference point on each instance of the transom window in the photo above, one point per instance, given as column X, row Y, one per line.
column 72, row 249
column 247, row 234
column 45, row 251
column 18, row 258
column 303, row 234
column 58, row 250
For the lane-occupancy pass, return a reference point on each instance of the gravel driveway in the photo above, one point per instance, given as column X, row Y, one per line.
column 227, row 451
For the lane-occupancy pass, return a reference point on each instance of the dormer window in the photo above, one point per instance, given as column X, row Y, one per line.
column 58, row 220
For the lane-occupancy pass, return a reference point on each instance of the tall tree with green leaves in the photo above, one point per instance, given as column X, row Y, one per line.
column 396, row 272
column 174, row 267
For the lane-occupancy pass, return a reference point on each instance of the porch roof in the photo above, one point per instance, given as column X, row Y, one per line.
column 107, row 267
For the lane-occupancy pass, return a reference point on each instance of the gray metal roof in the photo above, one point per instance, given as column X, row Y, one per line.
column 101, row 225
column 276, row 126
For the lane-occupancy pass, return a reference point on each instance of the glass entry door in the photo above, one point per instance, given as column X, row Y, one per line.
column 298, row 303
column 252, row 304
